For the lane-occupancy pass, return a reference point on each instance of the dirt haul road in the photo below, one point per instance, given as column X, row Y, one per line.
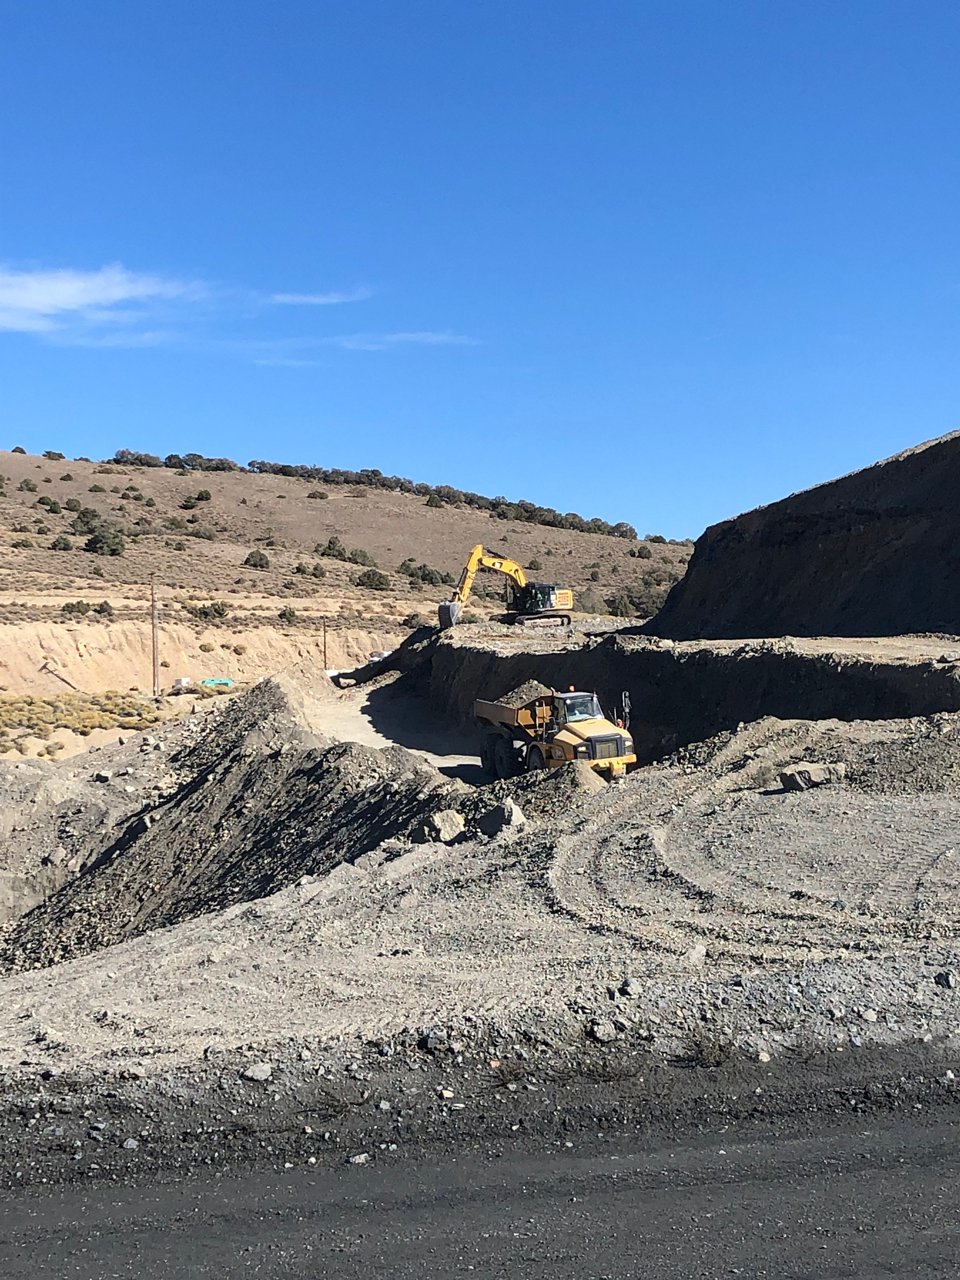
column 241, row 908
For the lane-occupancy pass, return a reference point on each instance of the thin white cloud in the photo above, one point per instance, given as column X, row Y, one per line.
column 382, row 341
column 320, row 299
column 45, row 301
column 114, row 307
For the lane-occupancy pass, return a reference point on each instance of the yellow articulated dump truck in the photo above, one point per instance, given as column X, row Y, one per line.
column 540, row 729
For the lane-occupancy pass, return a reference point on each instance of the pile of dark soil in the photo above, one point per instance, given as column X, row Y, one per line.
column 259, row 803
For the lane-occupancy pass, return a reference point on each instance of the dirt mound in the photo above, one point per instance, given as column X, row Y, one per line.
column 874, row 553
column 257, row 801
column 525, row 693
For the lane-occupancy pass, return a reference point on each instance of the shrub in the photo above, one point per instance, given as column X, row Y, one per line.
column 620, row 605
column 107, row 540
column 208, row 612
column 239, row 650
column 655, row 537
column 334, row 548
column 434, row 501
column 357, row 556
column 534, row 565
column 21, row 544
column 318, row 493
column 641, row 552
column 87, row 520
column 188, row 504
column 424, row 573
column 115, row 488
column 178, row 546
column 18, row 449
column 42, row 530
column 66, row 477
column 130, row 458
column 27, row 486
column 53, row 456
column 203, row 495
column 61, row 543
column 373, row 580
column 594, row 575
column 206, row 534
column 105, row 609
column 149, row 502
column 54, row 508
column 287, row 614
column 257, row 560
column 206, row 647
column 72, row 504
column 75, row 608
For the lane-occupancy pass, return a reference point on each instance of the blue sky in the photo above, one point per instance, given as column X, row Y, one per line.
column 655, row 261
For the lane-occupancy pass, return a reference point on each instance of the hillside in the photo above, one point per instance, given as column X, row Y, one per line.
column 874, row 553
column 192, row 533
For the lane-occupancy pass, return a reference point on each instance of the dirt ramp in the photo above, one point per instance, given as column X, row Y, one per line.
column 874, row 553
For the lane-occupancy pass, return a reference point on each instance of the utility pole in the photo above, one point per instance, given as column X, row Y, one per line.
column 324, row 644
column 153, row 636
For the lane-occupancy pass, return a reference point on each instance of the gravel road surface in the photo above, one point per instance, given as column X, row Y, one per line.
column 846, row 1199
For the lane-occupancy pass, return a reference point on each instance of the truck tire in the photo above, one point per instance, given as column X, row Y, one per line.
column 536, row 760
column 488, row 747
column 504, row 758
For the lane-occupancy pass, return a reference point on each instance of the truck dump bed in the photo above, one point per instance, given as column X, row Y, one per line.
column 529, row 718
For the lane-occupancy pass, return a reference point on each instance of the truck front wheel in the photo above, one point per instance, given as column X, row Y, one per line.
column 536, row 760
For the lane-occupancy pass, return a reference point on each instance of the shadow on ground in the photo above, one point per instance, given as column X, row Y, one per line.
column 409, row 720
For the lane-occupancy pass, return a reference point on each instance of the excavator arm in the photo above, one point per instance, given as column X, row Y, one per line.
column 478, row 559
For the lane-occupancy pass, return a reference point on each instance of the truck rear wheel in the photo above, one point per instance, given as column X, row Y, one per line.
column 488, row 748
column 504, row 758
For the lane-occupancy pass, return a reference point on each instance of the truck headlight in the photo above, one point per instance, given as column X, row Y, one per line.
column 628, row 746
column 583, row 750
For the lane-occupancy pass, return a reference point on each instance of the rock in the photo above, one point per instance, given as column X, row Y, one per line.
column 446, row 1094
column 362, row 1158
column 946, row 979
column 803, row 776
column 952, row 655
column 257, row 1071
column 131, row 1144
column 869, row 1015
column 103, row 775
column 632, row 988
column 435, row 1040
column 696, row 955
column 763, row 1056
column 446, row 825
column 500, row 817
column 384, row 1105
column 602, row 1030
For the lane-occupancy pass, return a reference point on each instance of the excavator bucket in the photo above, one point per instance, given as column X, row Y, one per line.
column 449, row 612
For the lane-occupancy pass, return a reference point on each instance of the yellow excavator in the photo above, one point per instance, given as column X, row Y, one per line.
column 527, row 602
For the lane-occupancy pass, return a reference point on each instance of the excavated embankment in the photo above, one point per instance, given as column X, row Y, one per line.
column 874, row 553
column 686, row 692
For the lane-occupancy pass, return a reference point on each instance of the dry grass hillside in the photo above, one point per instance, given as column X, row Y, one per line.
column 71, row 618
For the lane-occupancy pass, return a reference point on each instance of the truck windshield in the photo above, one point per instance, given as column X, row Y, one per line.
column 582, row 706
